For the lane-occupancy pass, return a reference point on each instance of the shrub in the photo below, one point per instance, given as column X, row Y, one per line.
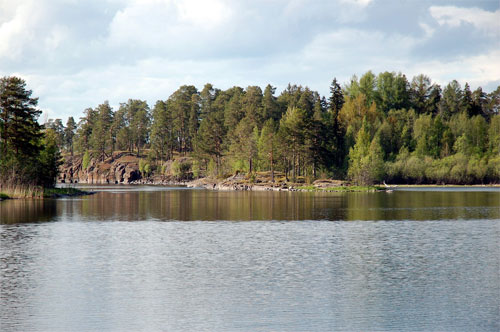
column 195, row 169
column 212, row 168
column 86, row 160
column 181, row 170
column 144, row 168
column 494, row 169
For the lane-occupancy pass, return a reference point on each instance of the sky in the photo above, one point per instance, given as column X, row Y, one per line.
column 76, row 54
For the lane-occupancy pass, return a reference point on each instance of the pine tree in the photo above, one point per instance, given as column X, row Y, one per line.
column 292, row 137
column 270, row 106
column 19, row 129
column 49, row 160
column 101, row 138
column 58, row 128
column 84, row 131
column 420, row 90
column 336, row 131
column 162, row 135
column 451, row 101
column 467, row 102
column 137, row 120
column 252, row 106
column 69, row 134
column 27, row 155
column 336, row 99
column 267, row 146
column 210, row 138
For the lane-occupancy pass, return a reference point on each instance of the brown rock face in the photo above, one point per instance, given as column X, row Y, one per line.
column 122, row 168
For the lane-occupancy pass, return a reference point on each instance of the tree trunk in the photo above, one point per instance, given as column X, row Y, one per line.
column 272, row 167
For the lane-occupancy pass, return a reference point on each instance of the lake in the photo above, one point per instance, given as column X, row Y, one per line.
column 146, row 258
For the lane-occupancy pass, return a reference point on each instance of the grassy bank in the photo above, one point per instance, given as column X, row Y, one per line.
column 61, row 192
column 342, row 188
column 8, row 192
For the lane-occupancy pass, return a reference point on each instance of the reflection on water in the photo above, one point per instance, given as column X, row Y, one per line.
column 27, row 210
column 165, row 204
column 314, row 272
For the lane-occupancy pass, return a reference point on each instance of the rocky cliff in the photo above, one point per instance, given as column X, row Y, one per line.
column 121, row 168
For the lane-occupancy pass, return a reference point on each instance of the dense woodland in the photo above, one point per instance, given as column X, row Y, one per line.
column 377, row 127
column 29, row 154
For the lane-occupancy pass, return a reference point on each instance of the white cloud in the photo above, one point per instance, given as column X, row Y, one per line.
column 77, row 54
column 203, row 12
column 455, row 16
column 428, row 30
column 477, row 70
column 56, row 37
column 17, row 31
column 168, row 25
column 361, row 3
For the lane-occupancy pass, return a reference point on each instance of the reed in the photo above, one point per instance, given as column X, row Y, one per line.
column 14, row 190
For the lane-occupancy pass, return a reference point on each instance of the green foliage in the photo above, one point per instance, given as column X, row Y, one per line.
column 144, row 167
column 69, row 134
column 268, row 146
column 494, row 135
column 184, row 108
column 252, row 178
column 132, row 128
column 376, row 127
column 212, row 168
column 162, row 132
column 195, row 168
column 181, row 170
column 366, row 164
column 101, row 139
column 406, row 168
column 86, row 160
column 493, row 173
column 58, row 192
column 341, row 188
column 29, row 157
column 392, row 91
column 147, row 169
column 49, row 160
column 451, row 102
column 244, row 144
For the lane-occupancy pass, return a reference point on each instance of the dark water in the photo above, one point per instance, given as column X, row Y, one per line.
column 174, row 259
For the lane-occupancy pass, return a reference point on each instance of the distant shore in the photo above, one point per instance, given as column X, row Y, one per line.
column 261, row 182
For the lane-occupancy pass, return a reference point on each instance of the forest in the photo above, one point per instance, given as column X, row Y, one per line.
column 374, row 128
column 29, row 153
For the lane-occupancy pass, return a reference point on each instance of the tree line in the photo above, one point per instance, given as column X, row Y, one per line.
column 29, row 153
column 377, row 127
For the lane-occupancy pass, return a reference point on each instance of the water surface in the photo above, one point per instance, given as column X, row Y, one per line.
column 175, row 259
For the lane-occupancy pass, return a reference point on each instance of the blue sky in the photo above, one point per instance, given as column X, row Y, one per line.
column 76, row 54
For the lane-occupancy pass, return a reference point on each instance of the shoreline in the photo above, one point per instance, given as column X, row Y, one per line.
column 49, row 193
column 239, row 183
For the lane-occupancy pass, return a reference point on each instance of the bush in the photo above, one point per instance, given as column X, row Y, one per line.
column 144, row 168
column 86, row 160
column 195, row 169
column 494, row 169
column 181, row 170
column 212, row 168
column 252, row 178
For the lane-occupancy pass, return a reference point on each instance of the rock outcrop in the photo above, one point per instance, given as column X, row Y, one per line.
column 121, row 168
